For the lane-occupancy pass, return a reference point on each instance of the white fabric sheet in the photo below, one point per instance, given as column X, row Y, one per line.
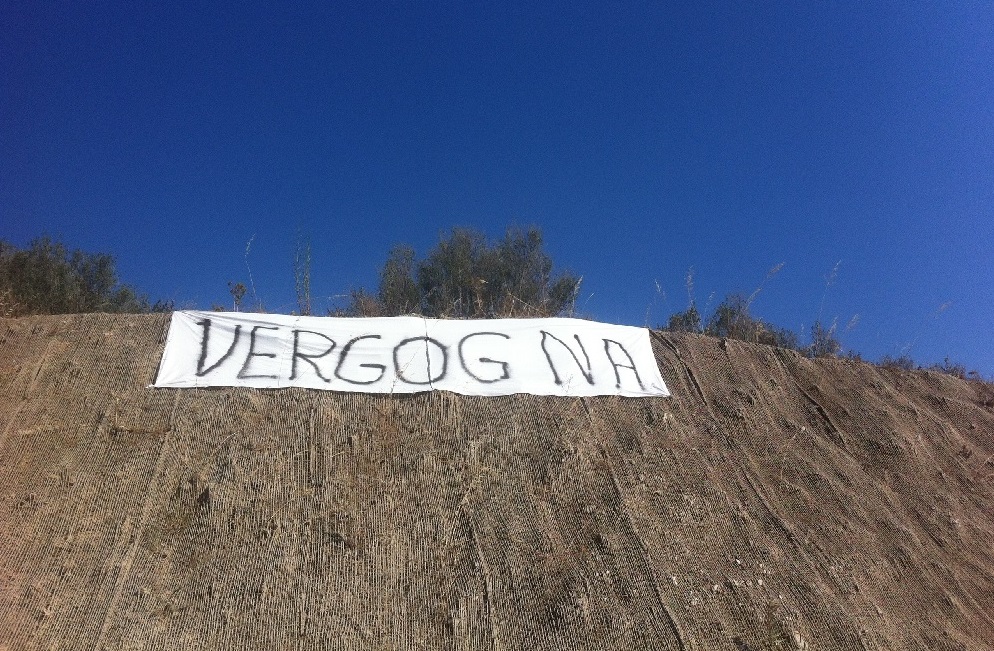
column 566, row 357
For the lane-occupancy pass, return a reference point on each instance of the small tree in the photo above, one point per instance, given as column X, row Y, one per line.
column 237, row 291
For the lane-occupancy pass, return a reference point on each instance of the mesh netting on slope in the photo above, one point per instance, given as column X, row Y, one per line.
column 772, row 502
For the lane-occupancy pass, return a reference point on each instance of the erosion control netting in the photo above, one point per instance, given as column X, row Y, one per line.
column 773, row 502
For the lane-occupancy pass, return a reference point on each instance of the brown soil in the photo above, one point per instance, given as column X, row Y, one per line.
column 774, row 502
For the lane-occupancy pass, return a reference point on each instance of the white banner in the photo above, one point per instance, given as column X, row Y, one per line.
column 563, row 357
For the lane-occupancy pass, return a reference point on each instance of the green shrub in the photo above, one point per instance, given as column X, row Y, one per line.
column 48, row 278
column 686, row 321
column 467, row 276
column 731, row 319
column 399, row 292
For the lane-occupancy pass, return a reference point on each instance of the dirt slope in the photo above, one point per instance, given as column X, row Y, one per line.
column 772, row 502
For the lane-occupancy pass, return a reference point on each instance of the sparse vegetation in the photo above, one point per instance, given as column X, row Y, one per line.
column 904, row 362
column 952, row 368
column 823, row 341
column 732, row 319
column 901, row 362
column 465, row 275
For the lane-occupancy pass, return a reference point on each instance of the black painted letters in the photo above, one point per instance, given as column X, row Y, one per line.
column 486, row 360
column 345, row 353
column 243, row 374
column 308, row 358
column 445, row 360
column 588, row 374
column 616, row 365
column 204, row 339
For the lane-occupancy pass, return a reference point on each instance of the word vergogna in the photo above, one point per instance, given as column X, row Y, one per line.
column 409, row 354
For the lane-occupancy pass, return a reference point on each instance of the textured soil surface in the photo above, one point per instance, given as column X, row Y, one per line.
column 774, row 502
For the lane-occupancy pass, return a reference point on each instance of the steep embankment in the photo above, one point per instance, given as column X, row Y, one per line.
column 772, row 502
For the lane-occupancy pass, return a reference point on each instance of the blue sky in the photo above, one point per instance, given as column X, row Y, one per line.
column 643, row 138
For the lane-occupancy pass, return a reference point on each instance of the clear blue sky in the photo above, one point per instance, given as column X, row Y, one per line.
column 643, row 138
